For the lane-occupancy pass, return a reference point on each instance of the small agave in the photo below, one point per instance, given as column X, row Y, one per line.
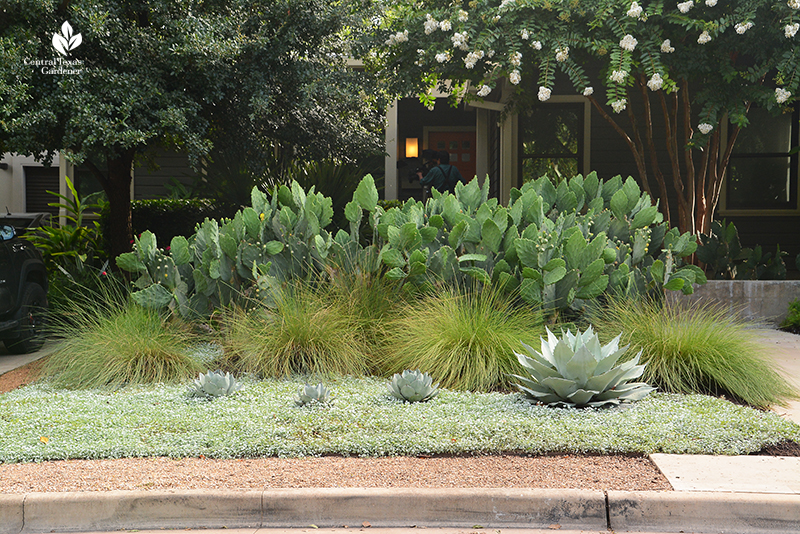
column 413, row 386
column 577, row 371
column 308, row 394
column 214, row 384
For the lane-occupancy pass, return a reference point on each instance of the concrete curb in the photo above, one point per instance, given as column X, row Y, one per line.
column 700, row 512
column 324, row 507
column 692, row 511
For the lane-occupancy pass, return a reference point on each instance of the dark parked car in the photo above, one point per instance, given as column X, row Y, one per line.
column 23, row 292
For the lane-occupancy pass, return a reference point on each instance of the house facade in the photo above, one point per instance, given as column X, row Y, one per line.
column 25, row 183
column 565, row 135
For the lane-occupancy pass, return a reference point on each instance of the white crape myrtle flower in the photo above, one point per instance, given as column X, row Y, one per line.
column 666, row 47
column 619, row 105
column 635, row 10
column 704, row 128
column 537, row 45
column 589, row 91
column 472, row 58
column 782, row 95
column 741, row 28
column 515, row 77
column 791, row 29
column 484, row 90
column 399, row 37
column 562, row 53
column 460, row 40
column 442, row 57
column 684, row 7
column 463, row 16
column 655, row 82
column 628, row 42
column 431, row 24
column 544, row 93
column 704, row 38
column 515, row 58
column 711, row 3
column 618, row 76
column 505, row 3
column 525, row 35
column 445, row 25
column 794, row 4
column 490, row 53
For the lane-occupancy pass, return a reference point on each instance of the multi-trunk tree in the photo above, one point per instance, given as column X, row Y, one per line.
column 120, row 78
column 698, row 64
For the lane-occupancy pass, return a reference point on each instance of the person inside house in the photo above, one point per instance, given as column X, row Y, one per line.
column 442, row 176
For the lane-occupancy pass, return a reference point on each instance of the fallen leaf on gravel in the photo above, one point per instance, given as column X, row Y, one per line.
column 554, row 526
column 366, row 524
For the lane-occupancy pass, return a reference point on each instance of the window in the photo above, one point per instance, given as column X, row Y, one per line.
column 551, row 141
column 762, row 175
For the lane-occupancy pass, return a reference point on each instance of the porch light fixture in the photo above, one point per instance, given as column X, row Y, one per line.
column 412, row 147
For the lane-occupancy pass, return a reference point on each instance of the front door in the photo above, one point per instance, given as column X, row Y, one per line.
column 460, row 146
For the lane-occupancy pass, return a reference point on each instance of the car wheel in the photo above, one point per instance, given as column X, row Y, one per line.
column 31, row 316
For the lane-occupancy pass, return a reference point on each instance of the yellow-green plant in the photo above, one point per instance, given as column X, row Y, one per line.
column 305, row 332
column 464, row 339
column 113, row 344
column 699, row 348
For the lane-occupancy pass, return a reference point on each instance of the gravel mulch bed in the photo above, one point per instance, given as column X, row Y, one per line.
column 579, row 472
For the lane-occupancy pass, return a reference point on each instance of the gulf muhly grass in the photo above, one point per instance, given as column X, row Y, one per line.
column 306, row 331
column 697, row 348
column 112, row 342
column 464, row 339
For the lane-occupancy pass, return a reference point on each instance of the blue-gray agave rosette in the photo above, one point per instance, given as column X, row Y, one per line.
column 576, row 371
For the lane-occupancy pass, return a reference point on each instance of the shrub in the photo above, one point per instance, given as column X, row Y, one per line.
column 696, row 349
column 305, row 332
column 112, row 343
column 792, row 321
column 464, row 339
column 170, row 217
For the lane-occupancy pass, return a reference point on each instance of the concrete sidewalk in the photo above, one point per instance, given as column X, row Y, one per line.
column 713, row 494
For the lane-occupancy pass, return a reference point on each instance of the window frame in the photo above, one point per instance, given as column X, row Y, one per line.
column 794, row 176
column 584, row 134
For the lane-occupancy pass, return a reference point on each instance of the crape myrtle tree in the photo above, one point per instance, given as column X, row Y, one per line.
column 132, row 75
column 696, row 63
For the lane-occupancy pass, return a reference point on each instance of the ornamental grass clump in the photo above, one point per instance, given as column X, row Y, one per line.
column 698, row 348
column 305, row 333
column 113, row 344
column 576, row 371
column 464, row 339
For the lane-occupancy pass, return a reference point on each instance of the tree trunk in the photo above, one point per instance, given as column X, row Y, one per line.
column 117, row 185
column 119, row 199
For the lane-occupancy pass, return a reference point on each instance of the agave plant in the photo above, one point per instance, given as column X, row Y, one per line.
column 308, row 394
column 413, row 386
column 577, row 371
column 214, row 384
